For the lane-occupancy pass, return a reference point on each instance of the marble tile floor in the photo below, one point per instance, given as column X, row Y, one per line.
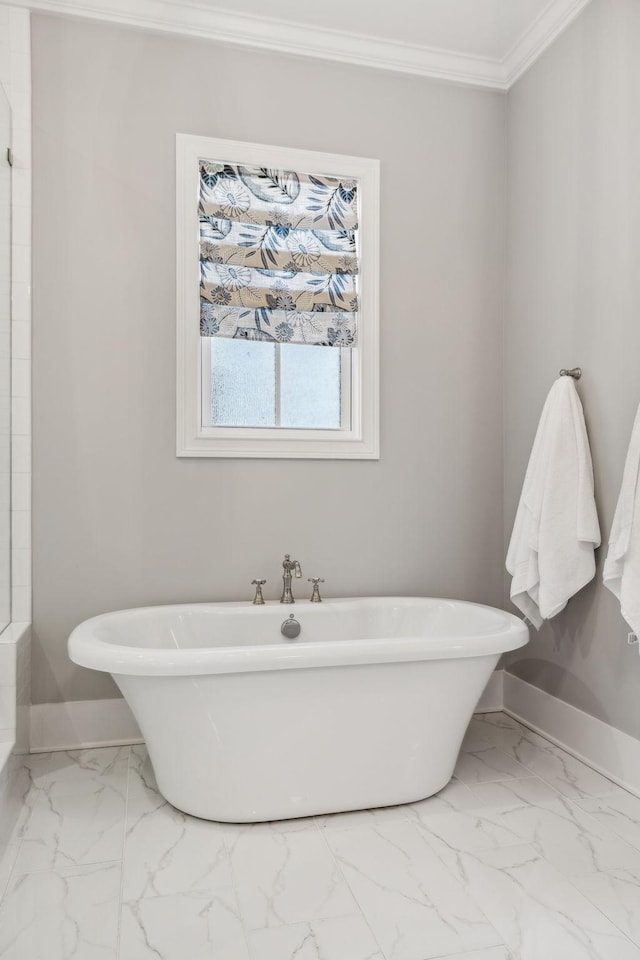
column 527, row 854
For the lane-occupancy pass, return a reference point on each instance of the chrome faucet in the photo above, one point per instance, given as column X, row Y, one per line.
column 289, row 566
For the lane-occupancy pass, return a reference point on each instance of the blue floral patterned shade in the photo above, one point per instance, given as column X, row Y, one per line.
column 278, row 255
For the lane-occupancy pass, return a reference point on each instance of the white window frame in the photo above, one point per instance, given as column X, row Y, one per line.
column 360, row 441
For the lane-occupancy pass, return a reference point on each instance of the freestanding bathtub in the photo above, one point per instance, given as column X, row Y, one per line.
column 366, row 708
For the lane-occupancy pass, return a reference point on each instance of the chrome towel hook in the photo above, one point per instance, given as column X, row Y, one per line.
column 576, row 373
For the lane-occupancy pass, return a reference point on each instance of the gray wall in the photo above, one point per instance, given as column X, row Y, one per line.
column 574, row 299
column 118, row 520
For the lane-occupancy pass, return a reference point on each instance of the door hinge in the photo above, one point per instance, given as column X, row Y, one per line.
column 10, row 156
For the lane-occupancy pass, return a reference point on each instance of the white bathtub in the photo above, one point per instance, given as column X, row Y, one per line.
column 367, row 707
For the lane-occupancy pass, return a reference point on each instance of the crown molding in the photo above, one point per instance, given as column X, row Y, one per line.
column 265, row 33
column 540, row 35
column 226, row 26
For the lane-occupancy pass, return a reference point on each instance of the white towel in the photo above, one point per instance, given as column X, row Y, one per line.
column 556, row 530
column 622, row 567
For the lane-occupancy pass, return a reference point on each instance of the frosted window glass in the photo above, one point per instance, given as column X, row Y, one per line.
column 243, row 383
column 257, row 384
column 310, row 387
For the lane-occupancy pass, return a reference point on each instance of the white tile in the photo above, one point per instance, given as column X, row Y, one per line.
column 8, row 854
column 21, row 603
column 72, row 913
column 415, row 907
column 21, row 567
column 569, row 776
column 141, row 780
column 286, row 878
column 21, row 339
column 5, row 755
column 8, row 707
column 455, row 796
column 470, row 830
column 74, row 771
column 22, row 723
column 21, row 455
column 179, row 927
column 5, row 314
column 5, row 338
column 19, row 66
column 5, row 72
column 28, row 777
column 21, row 491
column 5, row 420
column 341, row 938
column 510, row 736
column 20, row 377
column 20, row 263
column 507, row 734
column 539, row 914
column 19, row 29
column 445, row 877
column 21, row 229
column 21, row 141
column 20, row 93
column 21, row 312
column 560, row 831
column 234, row 831
column 22, row 137
column 513, row 794
column 167, row 852
column 21, row 191
column 8, row 664
column 486, row 764
column 36, row 768
column 5, row 574
column 619, row 812
column 73, row 806
column 493, row 953
column 617, row 897
column 74, row 827
column 21, row 415
column 21, row 529
column 475, row 738
column 364, row 818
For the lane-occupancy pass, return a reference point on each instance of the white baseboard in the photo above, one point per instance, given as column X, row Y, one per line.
column 492, row 699
column 609, row 751
column 80, row 724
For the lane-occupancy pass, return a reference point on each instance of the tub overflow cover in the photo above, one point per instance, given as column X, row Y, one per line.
column 290, row 628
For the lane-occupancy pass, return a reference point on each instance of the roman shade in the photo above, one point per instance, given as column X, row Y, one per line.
column 278, row 255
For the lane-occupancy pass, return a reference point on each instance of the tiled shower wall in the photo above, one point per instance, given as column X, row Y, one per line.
column 15, row 654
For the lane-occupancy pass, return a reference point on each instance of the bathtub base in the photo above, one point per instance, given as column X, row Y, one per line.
column 276, row 745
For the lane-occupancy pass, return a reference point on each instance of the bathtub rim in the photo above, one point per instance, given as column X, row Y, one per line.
column 86, row 650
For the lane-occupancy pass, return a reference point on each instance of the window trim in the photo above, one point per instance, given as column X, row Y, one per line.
column 361, row 441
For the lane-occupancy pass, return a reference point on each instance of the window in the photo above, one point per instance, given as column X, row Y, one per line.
column 277, row 302
column 246, row 384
